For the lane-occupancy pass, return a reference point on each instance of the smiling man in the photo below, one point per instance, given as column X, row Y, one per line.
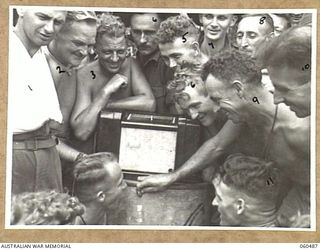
column 118, row 81
column 215, row 28
column 233, row 80
column 288, row 59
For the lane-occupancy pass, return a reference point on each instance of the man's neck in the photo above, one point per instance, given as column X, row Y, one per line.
column 52, row 47
column 260, row 215
column 218, row 45
column 260, row 105
column 28, row 44
column 95, row 214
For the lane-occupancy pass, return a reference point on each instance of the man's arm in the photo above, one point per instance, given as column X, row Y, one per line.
column 143, row 99
column 85, row 114
column 208, row 153
column 68, row 153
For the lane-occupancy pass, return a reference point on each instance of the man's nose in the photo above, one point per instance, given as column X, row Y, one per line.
column 244, row 42
column 214, row 22
column 172, row 63
column 114, row 57
column 84, row 51
column 193, row 114
column 143, row 38
column 214, row 202
column 277, row 98
column 49, row 27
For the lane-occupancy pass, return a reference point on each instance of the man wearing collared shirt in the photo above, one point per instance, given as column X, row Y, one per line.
column 33, row 102
column 144, row 27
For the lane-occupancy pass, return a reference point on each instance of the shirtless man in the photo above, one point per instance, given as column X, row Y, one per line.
column 216, row 27
column 64, row 55
column 99, row 184
column 290, row 69
column 113, row 81
column 232, row 81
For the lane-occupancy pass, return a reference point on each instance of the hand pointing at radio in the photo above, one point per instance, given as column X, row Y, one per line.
column 154, row 183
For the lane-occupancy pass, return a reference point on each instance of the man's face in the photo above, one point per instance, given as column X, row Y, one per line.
column 293, row 88
column 225, row 98
column 117, row 184
column 111, row 52
column 295, row 19
column 177, row 52
column 251, row 34
column 40, row 27
column 199, row 107
column 280, row 24
column 215, row 26
column 74, row 42
column 226, row 200
column 144, row 30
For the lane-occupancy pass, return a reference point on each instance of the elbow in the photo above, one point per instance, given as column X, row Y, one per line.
column 80, row 134
column 151, row 104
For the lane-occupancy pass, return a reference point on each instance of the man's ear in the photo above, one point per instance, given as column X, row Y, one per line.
column 238, row 87
column 234, row 20
column 200, row 18
column 240, row 206
column 269, row 36
column 196, row 47
column 101, row 196
column 20, row 12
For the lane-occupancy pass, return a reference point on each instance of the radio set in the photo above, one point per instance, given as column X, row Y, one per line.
column 147, row 143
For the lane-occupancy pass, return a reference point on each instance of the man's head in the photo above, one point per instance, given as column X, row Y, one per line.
column 178, row 40
column 229, row 78
column 98, row 179
column 75, row 38
column 39, row 27
column 45, row 208
column 295, row 18
column 281, row 23
column 288, row 60
column 253, row 31
column 192, row 97
column 247, row 191
column 111, row 43
column 144, row 30
column 215, row 26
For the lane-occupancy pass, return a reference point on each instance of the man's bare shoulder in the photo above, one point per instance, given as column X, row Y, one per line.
column 89, row 71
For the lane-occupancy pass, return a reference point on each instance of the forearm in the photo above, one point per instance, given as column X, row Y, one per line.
column 140, row 102
column 66, row 152
column 206, row 155
column 85, row 123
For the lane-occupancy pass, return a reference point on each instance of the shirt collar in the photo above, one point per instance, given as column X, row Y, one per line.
column 155, row 56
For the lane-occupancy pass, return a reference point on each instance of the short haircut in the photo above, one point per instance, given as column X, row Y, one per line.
column 188, row 74
column 78, row 16
column 255, row 177
column 111, row 26
column 292, row 48
column 91, row 171
column 45, row 208
column 232, row 65
column 268, row 19
column 175, row 27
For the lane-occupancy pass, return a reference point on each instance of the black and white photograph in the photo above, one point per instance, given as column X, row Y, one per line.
column 161, row 119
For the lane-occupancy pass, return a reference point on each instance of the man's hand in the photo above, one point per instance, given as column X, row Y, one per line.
column 116, row 82
column 154, row 183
